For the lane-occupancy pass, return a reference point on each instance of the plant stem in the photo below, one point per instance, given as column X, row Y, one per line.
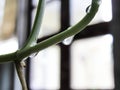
column 33, row 35
column 61, row 36
column 32, row 39
column 21, row 76
column 24, row 52
column 29, row 48
column 7, row 57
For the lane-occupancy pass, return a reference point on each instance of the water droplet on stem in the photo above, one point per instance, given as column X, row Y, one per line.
column 33, row 55
column 88, row 9
column 68, row 40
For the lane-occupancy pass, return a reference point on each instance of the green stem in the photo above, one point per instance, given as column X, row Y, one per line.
column 36, row 26
column 21, row 76
column 24, row 52
column 8, row 57
column 32, row 38
column 29, row 49
column 61, row 36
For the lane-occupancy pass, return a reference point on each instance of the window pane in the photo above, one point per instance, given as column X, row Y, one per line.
column 6, row 71
column 8, row 46
column 78, row 11
column 45, row 69
column 92, row 63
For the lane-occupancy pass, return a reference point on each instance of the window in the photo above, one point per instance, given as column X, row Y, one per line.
column 86, row 60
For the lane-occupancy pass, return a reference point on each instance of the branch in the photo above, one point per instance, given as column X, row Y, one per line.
column 61, row 36
column 8, row 57
column 29, row 48
column 36, row 26
column 33, row 35
column 22, row 53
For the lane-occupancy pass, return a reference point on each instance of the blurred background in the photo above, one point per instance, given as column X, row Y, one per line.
column 89, row 60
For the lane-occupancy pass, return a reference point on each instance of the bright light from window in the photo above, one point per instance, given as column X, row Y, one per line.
column 106, row 10
column 8, row 46
column 78, row 11
column 45, row 70
column 92, row 63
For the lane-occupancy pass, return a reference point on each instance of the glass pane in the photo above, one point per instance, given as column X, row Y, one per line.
column 6, row 70
column 92, row 63
column 78, row 11
column 51, row 18
column 45, row 70
column 9, row 45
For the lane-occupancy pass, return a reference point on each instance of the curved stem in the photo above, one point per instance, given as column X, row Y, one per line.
column 61, row 36
column 36, row 26
column 22, row 53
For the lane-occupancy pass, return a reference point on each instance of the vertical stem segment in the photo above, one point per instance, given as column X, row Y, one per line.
column 36, row 26
column 21, row 76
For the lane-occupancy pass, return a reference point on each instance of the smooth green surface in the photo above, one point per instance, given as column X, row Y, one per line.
column 36, row 26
